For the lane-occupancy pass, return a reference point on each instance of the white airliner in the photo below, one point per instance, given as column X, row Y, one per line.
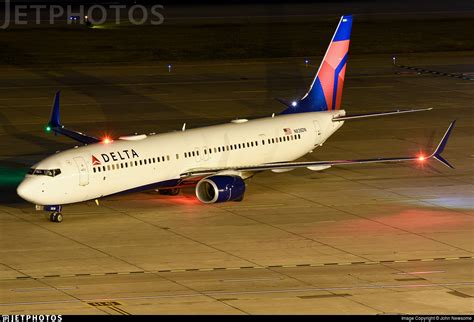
column 215, row 159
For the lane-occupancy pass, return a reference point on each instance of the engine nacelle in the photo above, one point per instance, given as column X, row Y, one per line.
column 220, row 188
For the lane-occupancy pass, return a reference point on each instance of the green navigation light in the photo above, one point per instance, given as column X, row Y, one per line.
column 48, row 128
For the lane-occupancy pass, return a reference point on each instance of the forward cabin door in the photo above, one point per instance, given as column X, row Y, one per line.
column 83, row 173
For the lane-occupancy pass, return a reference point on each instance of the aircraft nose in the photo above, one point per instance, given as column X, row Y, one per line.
column 24, row 190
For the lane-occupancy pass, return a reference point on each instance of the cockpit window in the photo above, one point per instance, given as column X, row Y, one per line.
column 41, row 172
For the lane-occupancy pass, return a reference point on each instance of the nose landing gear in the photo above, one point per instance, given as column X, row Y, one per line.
column 56, row 217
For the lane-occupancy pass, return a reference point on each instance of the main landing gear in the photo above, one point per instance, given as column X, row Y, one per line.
column 56, row 217
column 169, row 192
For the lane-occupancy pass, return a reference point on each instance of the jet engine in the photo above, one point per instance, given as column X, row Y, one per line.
column 220, row 188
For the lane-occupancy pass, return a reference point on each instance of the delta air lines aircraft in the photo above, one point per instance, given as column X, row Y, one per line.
column 215, row 159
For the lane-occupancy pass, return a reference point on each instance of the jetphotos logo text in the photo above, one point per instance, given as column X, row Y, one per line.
column 91, row 15
column 115, row 156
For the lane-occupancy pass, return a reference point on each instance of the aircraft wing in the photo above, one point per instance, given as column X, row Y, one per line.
column 321, row 165
column 55, row 126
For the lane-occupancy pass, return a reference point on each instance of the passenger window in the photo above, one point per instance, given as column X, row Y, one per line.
column 144, row 161
column 163, row 158
column 93, row 169
column 177, row 156
column 108, row 167
column 168, row 157
column 98, row 169
column 227, row 148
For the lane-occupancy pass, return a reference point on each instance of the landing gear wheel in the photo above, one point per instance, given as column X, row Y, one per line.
column 174, row 192
column 169, row 192
column 239, row 199
column 56, row 217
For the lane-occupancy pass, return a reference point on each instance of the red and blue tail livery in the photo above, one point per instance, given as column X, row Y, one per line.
column 325, row 93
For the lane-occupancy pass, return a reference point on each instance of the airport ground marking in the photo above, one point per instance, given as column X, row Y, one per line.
column 110, row 305
column 434, row 72
column 215, row 269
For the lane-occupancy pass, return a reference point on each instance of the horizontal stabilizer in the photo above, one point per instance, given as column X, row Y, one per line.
column 442, row 145
column 361, row 116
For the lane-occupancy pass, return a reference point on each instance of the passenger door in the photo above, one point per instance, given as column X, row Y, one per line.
column 83, row 173
column 265, row 149
column 317, row 131
column 205, row 152
column 197, row 156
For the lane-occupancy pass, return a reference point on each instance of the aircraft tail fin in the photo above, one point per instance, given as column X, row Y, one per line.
column 325, row 93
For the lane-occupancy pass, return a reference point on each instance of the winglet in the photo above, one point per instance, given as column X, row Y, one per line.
column 442, row 144
column 55, row 126
column 55, row 119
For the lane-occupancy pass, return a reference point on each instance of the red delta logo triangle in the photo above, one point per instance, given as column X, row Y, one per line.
column 95, row 161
